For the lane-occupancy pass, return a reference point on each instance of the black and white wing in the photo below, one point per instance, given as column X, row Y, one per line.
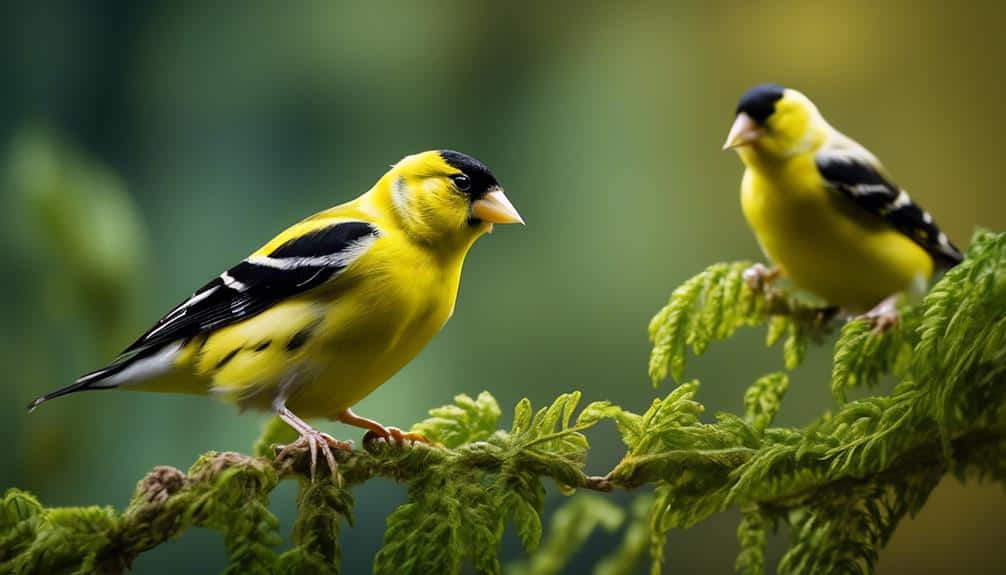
column 258, row 282
column 243, row 291
column 855, row 173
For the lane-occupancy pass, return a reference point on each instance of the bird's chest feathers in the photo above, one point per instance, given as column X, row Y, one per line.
column 796, row 216
column 406, row 299
column 786, row 196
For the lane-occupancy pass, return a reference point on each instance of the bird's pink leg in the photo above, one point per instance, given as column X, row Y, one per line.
column 312, row 439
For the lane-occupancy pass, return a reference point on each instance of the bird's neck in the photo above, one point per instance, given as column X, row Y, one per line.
column 779, row 149
column 448, row 245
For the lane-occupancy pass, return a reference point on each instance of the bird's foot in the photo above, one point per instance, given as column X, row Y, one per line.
column 759, row 276
column 395, row 434
column 884, row 315
column 315, row 441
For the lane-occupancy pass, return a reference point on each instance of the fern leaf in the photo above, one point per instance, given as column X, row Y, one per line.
column 713, row 305
column 763, row 400
column 464, row 421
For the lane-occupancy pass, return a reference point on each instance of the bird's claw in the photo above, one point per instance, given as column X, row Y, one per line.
column 884, row 316
column 882, row 320
column 759, row 276
column 314, row 441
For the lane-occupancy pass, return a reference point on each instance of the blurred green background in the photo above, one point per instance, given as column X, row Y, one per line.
column 149, row 145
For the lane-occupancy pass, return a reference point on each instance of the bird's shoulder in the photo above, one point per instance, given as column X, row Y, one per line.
column 854, row 173
column 324, row 230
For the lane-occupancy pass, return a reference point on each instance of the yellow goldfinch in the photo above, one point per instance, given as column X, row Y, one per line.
column 330, row 308
column 825, row 210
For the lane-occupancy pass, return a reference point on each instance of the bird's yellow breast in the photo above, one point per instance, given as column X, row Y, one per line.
column 824, row 243
column 369, row 336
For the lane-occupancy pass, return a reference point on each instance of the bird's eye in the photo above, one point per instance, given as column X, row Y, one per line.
column 463, row 182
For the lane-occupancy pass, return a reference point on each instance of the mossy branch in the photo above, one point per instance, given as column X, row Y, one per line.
column 839, row 485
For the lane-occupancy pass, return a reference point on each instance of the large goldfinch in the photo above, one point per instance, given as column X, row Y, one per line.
column 330, row 308
column 825, row 210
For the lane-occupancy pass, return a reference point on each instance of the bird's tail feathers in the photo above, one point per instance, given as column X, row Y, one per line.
column 99, row 379
column 136, row 367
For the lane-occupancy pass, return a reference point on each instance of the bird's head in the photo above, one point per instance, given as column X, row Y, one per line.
column 446, row 196
column 775, row 123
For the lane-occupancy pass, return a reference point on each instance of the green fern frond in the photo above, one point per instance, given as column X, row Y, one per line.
column 763, row 399
column 456, row 511
column 449, row 517
column 20, row 514
column 464, row 421
column 713, row 305
column 864, row 354
column 235, row 501
column 961, row 351
column 844, row 529
column 698, row 313
column 59, row 540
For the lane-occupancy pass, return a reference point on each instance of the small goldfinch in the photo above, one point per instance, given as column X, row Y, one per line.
column 330, row 308
column 825, row 211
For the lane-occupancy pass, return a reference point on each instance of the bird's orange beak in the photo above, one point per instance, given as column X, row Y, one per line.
column 495, row 208
column 744, row 132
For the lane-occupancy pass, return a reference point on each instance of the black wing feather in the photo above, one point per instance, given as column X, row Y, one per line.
column 868, row 188
column 252, row 286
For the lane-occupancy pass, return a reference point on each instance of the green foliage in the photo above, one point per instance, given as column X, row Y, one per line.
column 449, row 516
column 457, row 510
column 713, row 305
column 842, row 484
column 844, row 533
column 465, row 421
column 763, row 400
column 864, row 354
column 839, row 486
column 962, row 337
column 690, row 461
column 58, row 540
column 227, row 492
